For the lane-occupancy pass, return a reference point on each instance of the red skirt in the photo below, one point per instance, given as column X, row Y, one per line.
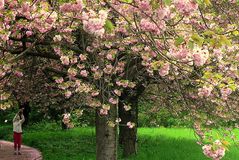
column 17, row 138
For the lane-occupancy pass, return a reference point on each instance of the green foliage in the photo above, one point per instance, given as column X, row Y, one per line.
column 152, row 116
column 179, row 41
column 109, row 27
column 127, row 1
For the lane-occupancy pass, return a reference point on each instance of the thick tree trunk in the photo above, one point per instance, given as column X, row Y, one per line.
column 106, row 143
column 128, row 136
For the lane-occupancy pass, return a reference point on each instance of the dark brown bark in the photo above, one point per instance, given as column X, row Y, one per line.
column 106, row 143
column 128, row 136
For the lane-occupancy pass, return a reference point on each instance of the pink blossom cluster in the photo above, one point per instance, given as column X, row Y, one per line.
column 93, row 23
column 164, row 70
column 215, row 151
column 59, row 80
column 72, row 72
column 205, row 91
column 113, row 100
column 84, row 73
column 65, row 60
column 164, row 13
column 181, row 53
column 104, row 110
column 200, row 56
column 2, row 3
column 185, row 7
column 68, row 94
column 225, row 92
column 117, row 92
column 108, row 69
column 125, row 84
column 148, row 26
column 72, row 7
column 95, row 93
column 143, row 5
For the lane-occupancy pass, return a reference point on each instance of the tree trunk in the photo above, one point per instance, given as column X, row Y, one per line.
column 128, row 136
column 106, row 144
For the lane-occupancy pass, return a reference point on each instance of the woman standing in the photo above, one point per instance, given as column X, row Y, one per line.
column 17, row 131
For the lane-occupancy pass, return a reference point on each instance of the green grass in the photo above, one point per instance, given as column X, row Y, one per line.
column 79, row 144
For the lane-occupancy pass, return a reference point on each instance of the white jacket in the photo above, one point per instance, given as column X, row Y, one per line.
column 17, row 123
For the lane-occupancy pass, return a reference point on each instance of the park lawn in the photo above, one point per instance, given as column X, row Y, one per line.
column 153, row 144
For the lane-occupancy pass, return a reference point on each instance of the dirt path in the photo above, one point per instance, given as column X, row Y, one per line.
column 28, row 153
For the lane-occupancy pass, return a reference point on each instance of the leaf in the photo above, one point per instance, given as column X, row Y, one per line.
column 109, row 27
column 224, row 40
column 167, row 2
column 155, row 4
column 207, row 2
column 197, row 39
column 190, row 44
column 233, row 87
column 179, row 40
column 235, row 33
column 208, row 33
column 127, row 1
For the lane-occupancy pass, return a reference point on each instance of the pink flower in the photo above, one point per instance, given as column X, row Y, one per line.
column 71, row 7
column 164, row 13
column 103, row 112
column 29, row 33
column 225, row 92
column 113, row 101
column 72, row 72
column 110, row 57
column 127, row 107
column 95, row 25
column 74, row 60
column 200, row 56
column 57, row 50
column 205, row 91
column 84, row 73
column 65, row 60
column 108, row 69
column 82, row 57
column 57, row 38
column 117, row 92
column 2, row 3
column 68, row 94
column 164, row 70
column 18, row 73
column 180, row 54
column 118, row 120
column 93, row 94
column 130, row 124
column 59, row 80
column 144, row 5
column 95, row 68
column 148, row 26
column 185, row 7
column 215, row 151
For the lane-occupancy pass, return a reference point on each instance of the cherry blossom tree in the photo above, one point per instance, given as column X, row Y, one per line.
column 110, row 51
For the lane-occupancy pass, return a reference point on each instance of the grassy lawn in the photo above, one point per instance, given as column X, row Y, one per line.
column 79, row 144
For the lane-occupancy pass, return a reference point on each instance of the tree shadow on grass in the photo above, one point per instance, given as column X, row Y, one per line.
column 165, row 148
